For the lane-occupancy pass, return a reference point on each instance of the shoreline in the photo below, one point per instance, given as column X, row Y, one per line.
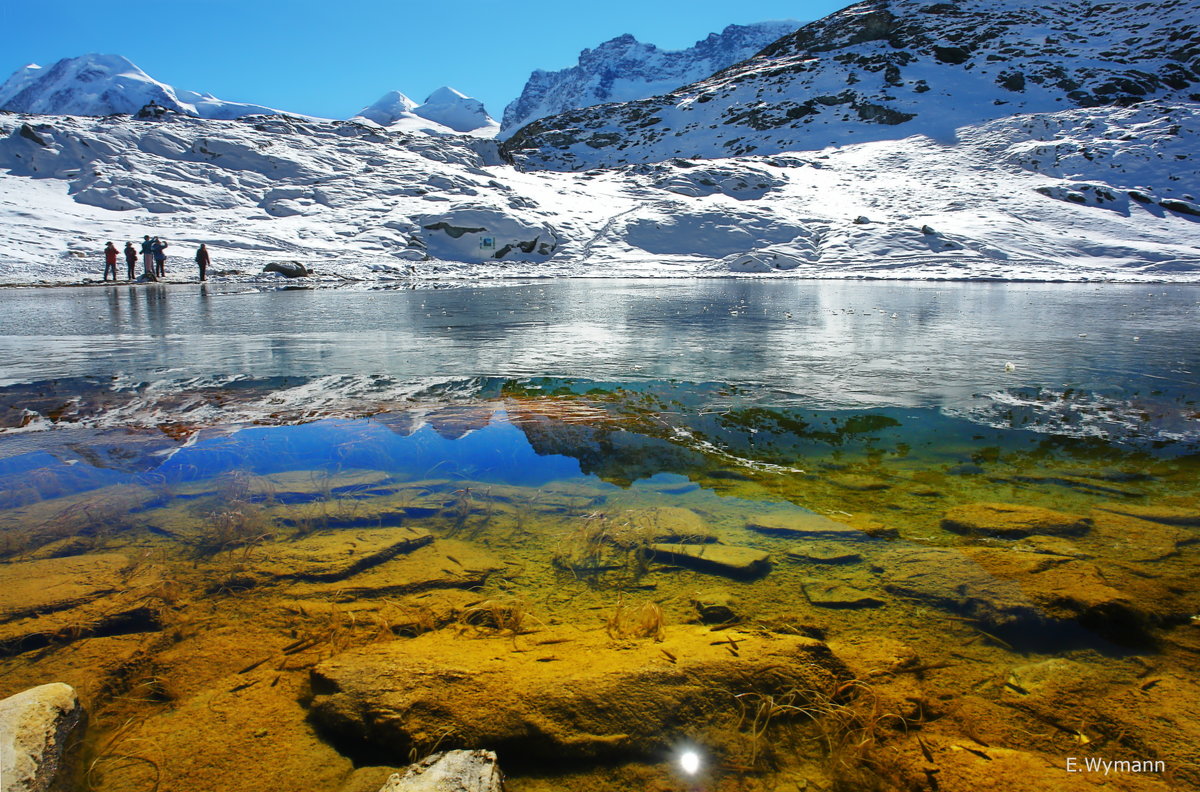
column 445, row 281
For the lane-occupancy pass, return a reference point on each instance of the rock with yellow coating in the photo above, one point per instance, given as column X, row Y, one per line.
column 1012, row 521
column 566, row 694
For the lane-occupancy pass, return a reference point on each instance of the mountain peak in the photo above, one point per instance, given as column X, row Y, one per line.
column 624, row 69
column 447, row 94
column 98, row 84
column 388, row 108
column 445, row 111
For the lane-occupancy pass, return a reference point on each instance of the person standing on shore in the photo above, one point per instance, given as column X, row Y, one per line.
column 202, row 261
column 110, row 261
column 160, row 258
column 130, row 259
column 148, row 258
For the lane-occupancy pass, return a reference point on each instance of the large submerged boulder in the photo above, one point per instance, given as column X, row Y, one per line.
column 1009, row 521
column 567, row 694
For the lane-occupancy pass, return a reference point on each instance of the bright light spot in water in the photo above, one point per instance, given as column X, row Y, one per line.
column 689, row 761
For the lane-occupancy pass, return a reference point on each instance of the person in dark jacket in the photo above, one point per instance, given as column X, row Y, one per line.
column 130, row 259
column 148, row 257
column 160, row 258
column 110, row 261
column 202, row 261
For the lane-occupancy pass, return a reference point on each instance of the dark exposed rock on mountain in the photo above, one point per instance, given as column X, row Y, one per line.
column 623, row 69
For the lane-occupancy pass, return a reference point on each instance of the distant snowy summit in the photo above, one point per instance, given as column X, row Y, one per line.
column 100, row 85
column 97, row 85
column 889, row 69
column 623, row 69
column 446, row 111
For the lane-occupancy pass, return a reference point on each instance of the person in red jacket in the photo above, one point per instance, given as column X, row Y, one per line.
column 110, row 261
column 202, row 261
column 130, row 259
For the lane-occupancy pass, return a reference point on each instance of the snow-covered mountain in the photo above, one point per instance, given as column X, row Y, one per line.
column 391, row 108
column 1083, row 194
column 446, row 112
column 99, row 85
column 457, row 111
column 623, row 69
column 887, row 69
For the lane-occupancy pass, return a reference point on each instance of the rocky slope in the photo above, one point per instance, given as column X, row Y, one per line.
column 99, row 85
column 623, row 69
column 888, row 69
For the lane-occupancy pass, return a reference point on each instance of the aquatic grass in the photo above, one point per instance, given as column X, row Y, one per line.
column 600, row 544
column 499, row 616
column 121, row 751
column 847, row 721
column 636, row 621
column 239, row 519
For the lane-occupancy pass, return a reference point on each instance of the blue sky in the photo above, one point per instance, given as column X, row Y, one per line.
column 333, row 57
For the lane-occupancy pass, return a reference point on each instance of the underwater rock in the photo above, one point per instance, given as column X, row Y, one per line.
column 1136, row 539
column 336, row 555
column 720, row 559
column 670, row 524
column 569, row 694
column 920, row 491
column 443, row 564
column 1007, row 521
column 1049, row 545
column 65, row 599
column 801, row 524
column 450, row 771
column 1045, row 675
column 858, row 482
column 38, row 728
column 1069, row 589
column 1081, row 483
column 837, row 594
column 947, row 578
column 716, row 606
column 1168, row 515
column 823, row 553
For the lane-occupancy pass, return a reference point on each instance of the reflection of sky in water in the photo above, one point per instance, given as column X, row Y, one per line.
column 497, row 452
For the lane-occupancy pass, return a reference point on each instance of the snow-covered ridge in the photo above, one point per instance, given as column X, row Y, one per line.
column 623, row 69
column 445, row 112
column 100, row 85
column 1097, row 193
column 97, row 85
column 889, row 69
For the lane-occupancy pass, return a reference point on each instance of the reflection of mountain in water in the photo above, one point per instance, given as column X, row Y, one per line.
column 138, row 451
column 402, row 423
column 453, row 423
column 614, row 455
